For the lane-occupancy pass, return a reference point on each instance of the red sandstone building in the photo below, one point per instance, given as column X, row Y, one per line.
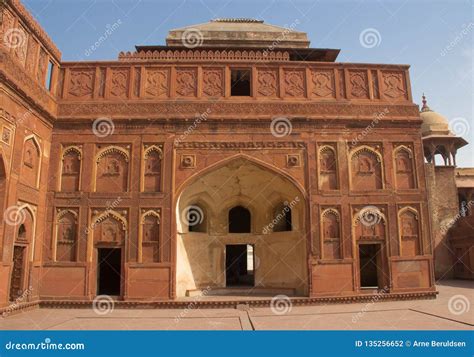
column 245, row 159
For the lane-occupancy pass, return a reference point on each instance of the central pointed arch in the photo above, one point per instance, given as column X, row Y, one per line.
column 245, row 190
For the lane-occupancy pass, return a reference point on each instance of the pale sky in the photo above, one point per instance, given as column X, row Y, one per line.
column 434, row 37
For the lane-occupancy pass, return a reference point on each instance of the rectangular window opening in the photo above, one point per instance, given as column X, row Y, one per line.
column 240, row 82
column 49, row 76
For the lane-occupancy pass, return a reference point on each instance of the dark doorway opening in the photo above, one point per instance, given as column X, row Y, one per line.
column 16, row 283
column 239, row 220
column 109, row 268
column 239, row 265
column 370, row 265
column 240, row 82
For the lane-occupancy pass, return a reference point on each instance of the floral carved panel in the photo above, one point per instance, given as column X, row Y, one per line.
column 294, row 82
column 186, row 82
column 323, row 85
column 81, row 83
column 393, row 86
column 213, row 83
column 267, row 82
column 157, row 83
column 358, row 85
column 119, row 83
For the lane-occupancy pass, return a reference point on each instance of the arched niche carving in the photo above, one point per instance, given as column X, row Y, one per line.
column 331, row 234
column 196, row 217
column 152, row 168
column 282, row 216
column 66, row 235
column 26, row 230
column 409, row 231
column 240, row 220
column 109, row 227
column 366, row 168
column 112, row 166
column 71, row 169
column 150, row 236
column 369, row 223
column 404, row 168
column 327, row 164
column 31, row 163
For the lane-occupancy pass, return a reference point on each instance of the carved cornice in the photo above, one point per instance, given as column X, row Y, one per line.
column 16, row 77
column 244, row 111
column 28, row 19
column 205, row 55
column 241, row 145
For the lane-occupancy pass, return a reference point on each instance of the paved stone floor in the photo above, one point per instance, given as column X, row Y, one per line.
column 451, row 310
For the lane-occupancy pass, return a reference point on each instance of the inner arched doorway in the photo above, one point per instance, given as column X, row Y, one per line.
column 236, row 205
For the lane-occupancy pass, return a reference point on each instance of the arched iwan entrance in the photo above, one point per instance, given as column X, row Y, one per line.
column 251, row 251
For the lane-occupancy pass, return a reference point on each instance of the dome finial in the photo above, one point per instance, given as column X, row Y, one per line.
column 425, row 107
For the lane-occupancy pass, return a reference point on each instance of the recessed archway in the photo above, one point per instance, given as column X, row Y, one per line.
column 252, row 191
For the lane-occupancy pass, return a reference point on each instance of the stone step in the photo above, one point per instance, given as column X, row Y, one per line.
column 241, row 291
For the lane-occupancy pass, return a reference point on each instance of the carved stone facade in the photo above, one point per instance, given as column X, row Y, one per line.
column 323, row 198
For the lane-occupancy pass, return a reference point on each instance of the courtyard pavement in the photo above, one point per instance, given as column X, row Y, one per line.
column 452, row 310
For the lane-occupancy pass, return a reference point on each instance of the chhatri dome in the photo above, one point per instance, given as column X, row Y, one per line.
column 433, row 122
column 437, row 136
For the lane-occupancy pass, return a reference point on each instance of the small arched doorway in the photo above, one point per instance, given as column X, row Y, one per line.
column 242, row 218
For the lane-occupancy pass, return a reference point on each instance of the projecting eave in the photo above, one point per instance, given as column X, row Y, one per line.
column 296, row 54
